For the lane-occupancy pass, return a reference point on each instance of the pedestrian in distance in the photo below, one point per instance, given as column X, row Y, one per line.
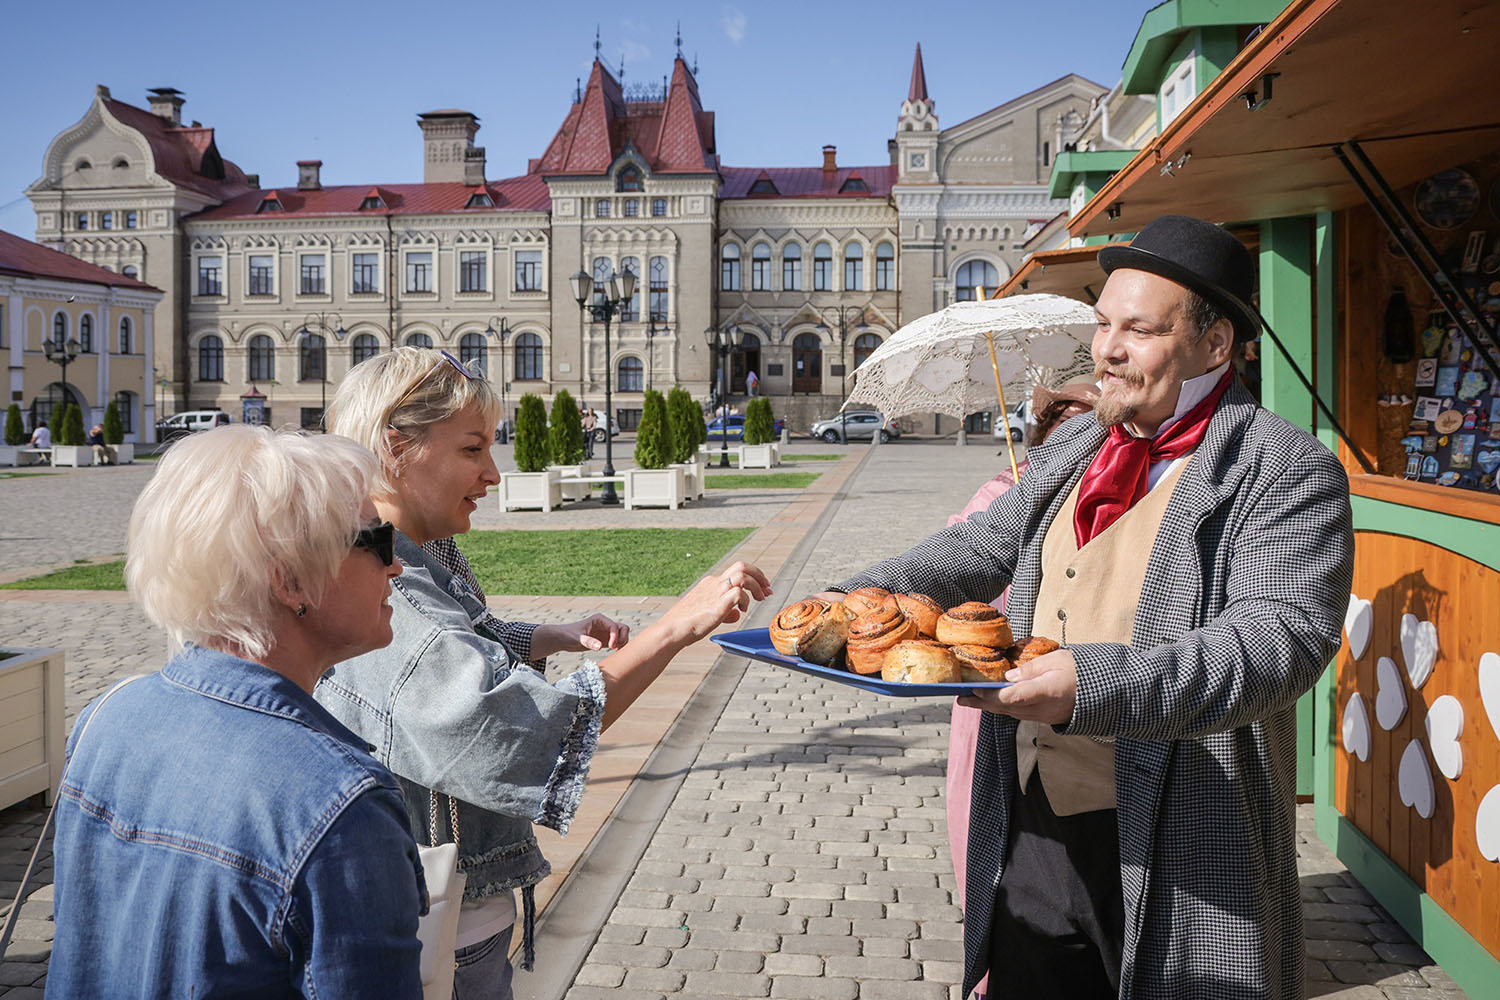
column 218, row 832
column 590, row 422
column 1132, row 829
column 451, row 705
column 751, row 381
column 103, row 453
column 41, row 437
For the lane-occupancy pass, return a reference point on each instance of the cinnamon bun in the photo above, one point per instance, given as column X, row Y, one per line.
column 870, row 635
column 1030, row 649
column 814, row 630
column 981, row 664
column 865, row 599
column 920, row 661
column 921, row 609
column 977, row 623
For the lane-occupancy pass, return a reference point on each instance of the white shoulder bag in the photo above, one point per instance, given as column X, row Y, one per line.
column 438, row 930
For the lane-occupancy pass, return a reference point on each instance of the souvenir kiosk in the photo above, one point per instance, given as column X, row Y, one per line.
column 1362, row 137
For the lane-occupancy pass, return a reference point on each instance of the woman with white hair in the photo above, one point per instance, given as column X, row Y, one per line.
column 451, row 705
column 218, row 832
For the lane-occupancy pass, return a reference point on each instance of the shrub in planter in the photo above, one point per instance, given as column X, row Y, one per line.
column 686, row 420
column 73, row 425
column 565, row 430
column 114, row 430
column 531, row 434
column 15, row 433
column 653, row 441
column 760, row 427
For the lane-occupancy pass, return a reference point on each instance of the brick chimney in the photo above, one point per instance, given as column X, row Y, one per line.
column 447, row 136
column 474, row 166
column 309, row 175
column 166, row 102
column 829, row 161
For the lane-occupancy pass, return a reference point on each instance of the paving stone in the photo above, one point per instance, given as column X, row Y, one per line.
column 807, row 988
column 621, row 934
column 880, row 989
column 655, row 980
column 1402, row 953
column 608, row 976
column 666, row 937
column 808, row 944
column 693, row 959
column 1374, row 973
column 729, row 984
column 867, row 967
column 740, row 961
column 21, row 973
column 630, row 956
column 793, row 965
column 1340, row 950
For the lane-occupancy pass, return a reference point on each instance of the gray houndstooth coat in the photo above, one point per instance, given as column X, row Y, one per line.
column 1241, row 610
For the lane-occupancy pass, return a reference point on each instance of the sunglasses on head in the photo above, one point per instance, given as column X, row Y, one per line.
column 444, row 359
column 380, row 540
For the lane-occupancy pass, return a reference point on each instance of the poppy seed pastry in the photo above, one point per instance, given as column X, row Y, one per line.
column 870, row 635
column 981, row 664
column 1031, row 649
column 975, row 623
column 920, row 661
column 814, row 630
column 921, row 609
column 865, row 599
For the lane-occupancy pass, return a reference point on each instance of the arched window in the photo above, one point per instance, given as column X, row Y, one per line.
column 528, row 364
column 364, row 347
column 854, row 267
column 658, row 303
column 312, row 358
column 885, row 268
column 60, row 329
column 729, row 268
column 125, row 407
column 630, row 311
column 629, row 376
column 864, row 346
column 419, row 339
column 822, row 268
column 629, row 180
column 262, row 358
column 760, row 267
column 791, row 267
column 125, row 344
column 973, row 276
column 86, row 334
column 474, row 354
column 211, row 358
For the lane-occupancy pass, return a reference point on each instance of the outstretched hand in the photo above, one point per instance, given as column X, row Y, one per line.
column 1042, row 690
column 595, row 632
column 717, row 600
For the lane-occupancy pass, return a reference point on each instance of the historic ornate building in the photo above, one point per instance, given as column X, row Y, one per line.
column 277, row 291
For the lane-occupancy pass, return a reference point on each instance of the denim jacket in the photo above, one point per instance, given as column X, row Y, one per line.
column 451, row 709
column 219, row 834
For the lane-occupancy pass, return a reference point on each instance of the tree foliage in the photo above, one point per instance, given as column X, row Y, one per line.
column 565, row 430
column 686, row 420
column 653, row 441
column 15, row 432
column 760, row 426
column 73, row 425
column 114, row 429
column 531, row 434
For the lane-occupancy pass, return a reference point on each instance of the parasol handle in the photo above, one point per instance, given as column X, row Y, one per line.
column 1010, row 445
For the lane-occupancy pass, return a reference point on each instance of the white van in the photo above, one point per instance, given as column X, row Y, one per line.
column 189, row 422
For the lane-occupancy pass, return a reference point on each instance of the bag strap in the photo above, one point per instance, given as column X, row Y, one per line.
column 15, row 907
column 432, row 818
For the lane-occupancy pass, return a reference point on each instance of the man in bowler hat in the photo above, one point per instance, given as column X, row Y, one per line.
column 1132, row 830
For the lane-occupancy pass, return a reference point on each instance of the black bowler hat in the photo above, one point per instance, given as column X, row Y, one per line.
column 1200, row 256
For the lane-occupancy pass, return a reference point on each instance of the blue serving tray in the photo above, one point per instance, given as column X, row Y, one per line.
column 755, row 643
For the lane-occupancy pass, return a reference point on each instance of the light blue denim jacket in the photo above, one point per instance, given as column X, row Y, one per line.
column 454, row 710
column 219, row 834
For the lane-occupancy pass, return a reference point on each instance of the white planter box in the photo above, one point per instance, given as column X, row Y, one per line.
column 572, row 491
column 530, row 490
column 759, row 456
column 124, row 453
column 31, row 724
column 693, row 471
column 76, row 455
column 655, row 487
column 8, row 454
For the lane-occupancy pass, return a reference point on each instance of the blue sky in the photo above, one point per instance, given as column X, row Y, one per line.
column 344, row 82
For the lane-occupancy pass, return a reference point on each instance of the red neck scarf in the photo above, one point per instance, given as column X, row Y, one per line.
column 1115, row 480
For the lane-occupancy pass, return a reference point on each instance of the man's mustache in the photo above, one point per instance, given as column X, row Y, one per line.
column 1130, row 376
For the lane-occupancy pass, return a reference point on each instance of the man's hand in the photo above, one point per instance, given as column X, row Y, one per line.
column 1042, row 690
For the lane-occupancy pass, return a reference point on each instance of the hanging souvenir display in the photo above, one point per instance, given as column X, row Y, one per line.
column 1447, row 199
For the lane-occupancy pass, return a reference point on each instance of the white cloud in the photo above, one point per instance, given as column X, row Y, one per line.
column 634, row 52
column 733, row 23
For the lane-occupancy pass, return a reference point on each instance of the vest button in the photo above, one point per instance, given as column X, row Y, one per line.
column 1062, row 615
column 1070, row 572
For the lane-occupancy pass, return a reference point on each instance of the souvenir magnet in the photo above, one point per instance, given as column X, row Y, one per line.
column 1448, row 421
column 1426, row 373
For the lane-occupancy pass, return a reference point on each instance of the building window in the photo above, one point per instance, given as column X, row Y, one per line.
column 630, row 180
column 760, row 267
column 632, row 207
column 474, row 354
column 132, row 219
column 658, row 303
column 364, row 347
column 976, row 278
column 372, row 203
column 314, row 274
column 630, row 311
column 125, row 335
column 419, row 340
column 125, row 408
column 864, row 346
column 822, row 267
column 312, row 358
column 210, row 275
column 658, row 206
column 269, row 205
column 601, row 208
column 1046, row 154
column 528, row 270
column 471, row 271
column 129, row 270
column 854, row 185
column 86, row 334
column 211, row 358
column 60, row 329
column 764, row 185
column 262, row 358
column 885, row 268
column 854, row 267
column 602, row 273
column 419, row 271
column 262, row 270
column 631, row 375
column 82, row 221
column 366, row 273
column 106, row 220
column 791, row 267
column 528, row 364
column 729, row 268
column 480, row 199
column 1179, row 89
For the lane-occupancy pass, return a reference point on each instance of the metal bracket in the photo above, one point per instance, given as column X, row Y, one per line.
column 1251, row 103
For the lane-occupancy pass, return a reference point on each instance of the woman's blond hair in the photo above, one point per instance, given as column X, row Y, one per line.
column 233, row 512
column 407, row 390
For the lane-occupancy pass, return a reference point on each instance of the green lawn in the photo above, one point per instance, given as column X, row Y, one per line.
column 768, row 481
column 603, row 561
column 94, row 576
column 24, row 475
column 812, row 458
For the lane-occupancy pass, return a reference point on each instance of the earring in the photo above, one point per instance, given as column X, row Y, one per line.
column 302, row 611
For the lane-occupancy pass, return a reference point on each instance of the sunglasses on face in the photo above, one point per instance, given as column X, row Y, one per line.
column 380, row 540
column 444, row 359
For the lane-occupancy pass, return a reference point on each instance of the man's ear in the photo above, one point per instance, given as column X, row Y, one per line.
column 1220, row 342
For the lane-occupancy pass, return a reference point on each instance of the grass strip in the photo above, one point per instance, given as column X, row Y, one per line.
column 769, row 481
column 812, row 458
column 600, row 561
column 93, row 576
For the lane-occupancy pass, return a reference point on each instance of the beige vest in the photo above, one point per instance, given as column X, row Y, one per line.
column 1088, row 595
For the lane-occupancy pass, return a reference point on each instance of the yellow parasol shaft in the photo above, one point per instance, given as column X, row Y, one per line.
column 1004, row 410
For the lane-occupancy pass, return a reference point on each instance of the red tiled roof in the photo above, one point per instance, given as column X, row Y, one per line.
column 26, row 259
column 918, row 89
column 515, row 194
column 807, row 182
column 184, row 155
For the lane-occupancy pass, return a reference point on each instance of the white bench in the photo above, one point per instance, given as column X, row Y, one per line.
column 33, row 456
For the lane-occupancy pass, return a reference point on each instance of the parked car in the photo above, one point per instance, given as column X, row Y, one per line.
column 862, row 425
column 1015, row 419
column 736, row 429
column 189, row 422
column 603, row 422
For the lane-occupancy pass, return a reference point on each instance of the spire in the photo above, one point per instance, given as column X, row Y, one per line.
column 597, row 46
column 679, row 40
column 918, row 89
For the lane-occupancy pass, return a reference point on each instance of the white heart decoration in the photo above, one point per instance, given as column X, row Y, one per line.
column 1445, row 724
column 1357, row 622
column 1356, row 727
column 1390, row 694
column 1489, row 689
column 1419, row 645
column 1414, row 778
column 1487, row 824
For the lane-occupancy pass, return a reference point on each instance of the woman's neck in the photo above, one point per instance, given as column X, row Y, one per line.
column 396, row 514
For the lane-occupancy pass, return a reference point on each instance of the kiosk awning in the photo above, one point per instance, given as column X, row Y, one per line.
column 1070, row 271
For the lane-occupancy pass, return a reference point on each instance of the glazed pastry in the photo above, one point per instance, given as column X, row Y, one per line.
column 870, row 635
column 921, row 609
column 920, row 661
column 977, row 623
column 814, row 630
column 1031, row 649
column 981, row 663
column 865, row 599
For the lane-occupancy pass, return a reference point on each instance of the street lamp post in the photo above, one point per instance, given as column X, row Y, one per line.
column 500, row 335
column 722, row 341
column 319, row 321
column 62, row 352
column 615, row 295
column 843, row 313
column 650, row 346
